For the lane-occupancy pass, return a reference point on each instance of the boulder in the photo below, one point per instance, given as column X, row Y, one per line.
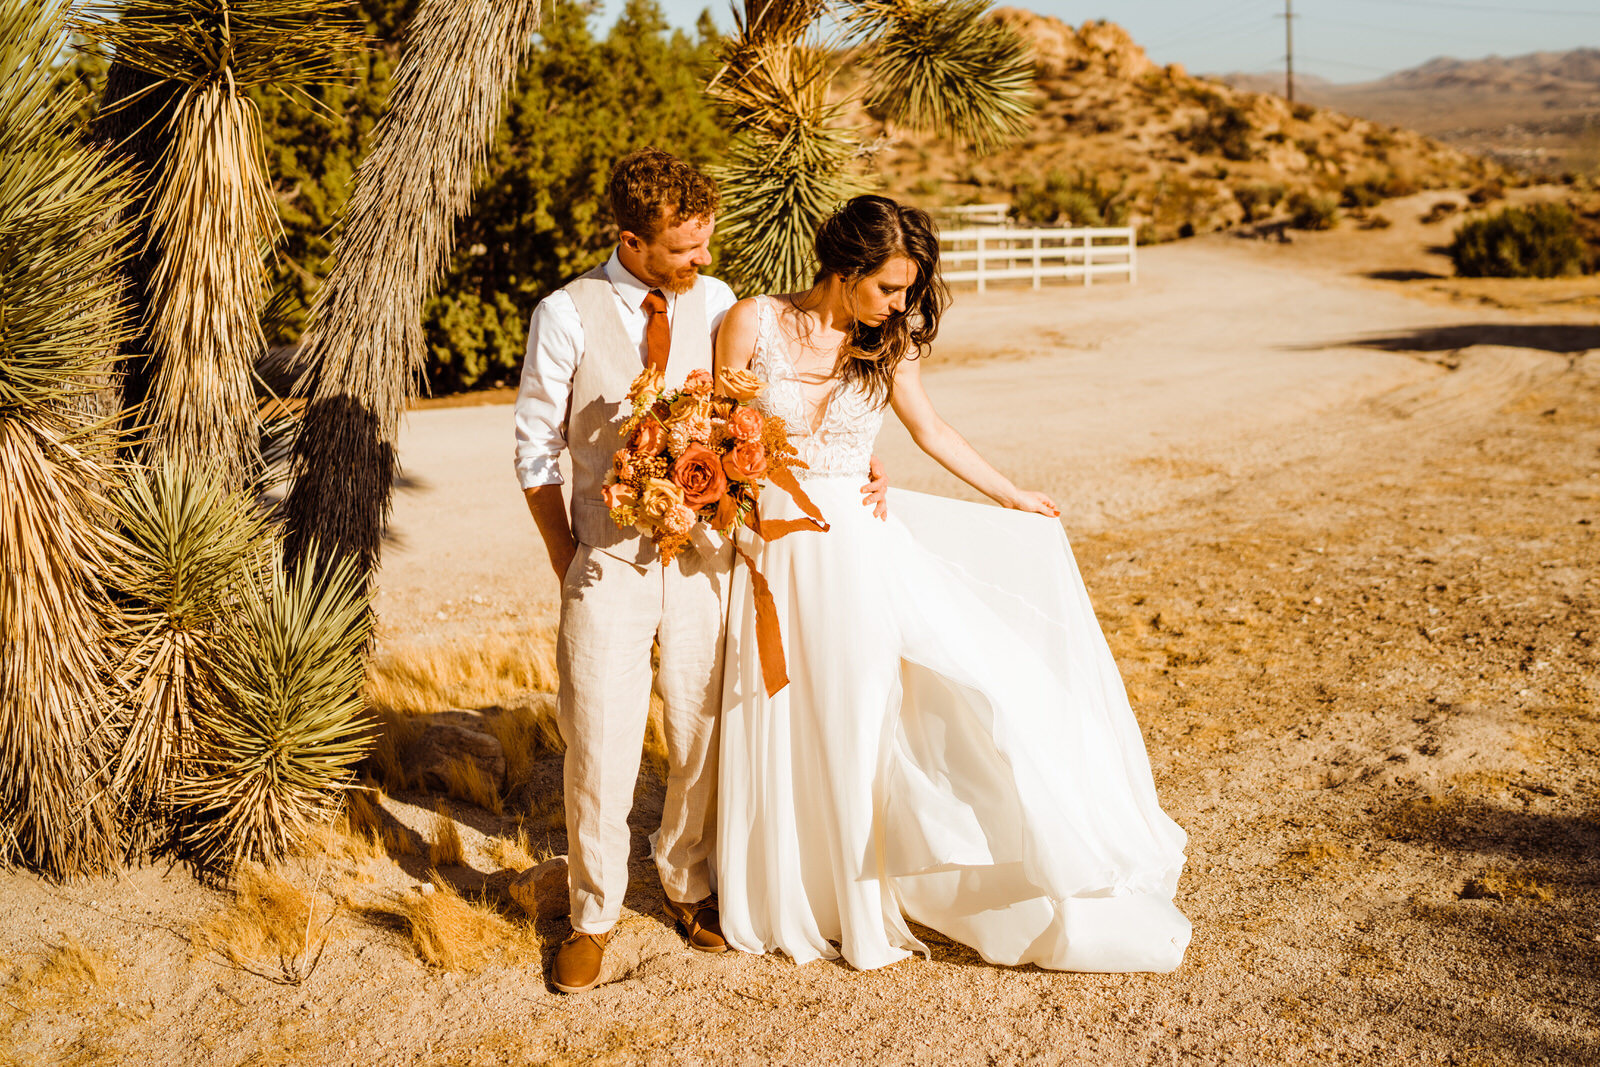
column 542, row 891
column 443, row 744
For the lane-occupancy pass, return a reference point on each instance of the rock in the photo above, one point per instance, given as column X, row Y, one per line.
column 443, row 744
column 542, row 891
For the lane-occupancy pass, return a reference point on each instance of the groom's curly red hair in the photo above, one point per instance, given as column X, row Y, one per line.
column 651, row 189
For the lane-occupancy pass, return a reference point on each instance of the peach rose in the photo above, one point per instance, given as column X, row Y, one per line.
column 622, row 466
column 648, row 384
column 619, row 495
column 745, row 424
column 650, row 437
column 699, row 473
column 698, row 382
column 740, row 384
column 747, row 462
column 660, row 497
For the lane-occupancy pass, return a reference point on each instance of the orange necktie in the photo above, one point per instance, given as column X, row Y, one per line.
column 657, row 333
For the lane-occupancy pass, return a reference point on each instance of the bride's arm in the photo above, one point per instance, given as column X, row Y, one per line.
column 941, row 441
column 736, row 337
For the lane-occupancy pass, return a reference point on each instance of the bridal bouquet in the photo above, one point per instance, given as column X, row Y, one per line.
column 697, row 456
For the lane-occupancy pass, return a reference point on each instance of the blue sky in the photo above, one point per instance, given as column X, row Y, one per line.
column 1342, row 40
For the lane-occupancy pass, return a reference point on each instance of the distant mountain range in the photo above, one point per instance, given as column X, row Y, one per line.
column 1539, row 111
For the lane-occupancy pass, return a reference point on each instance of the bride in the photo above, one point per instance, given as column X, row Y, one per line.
column 955, row 746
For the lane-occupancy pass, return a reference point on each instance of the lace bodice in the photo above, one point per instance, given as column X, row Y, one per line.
column 842, row 444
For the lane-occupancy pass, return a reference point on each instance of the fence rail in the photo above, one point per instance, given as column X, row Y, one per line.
column 1005, row 254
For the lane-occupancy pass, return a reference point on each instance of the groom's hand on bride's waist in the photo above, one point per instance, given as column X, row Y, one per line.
column 875, row 494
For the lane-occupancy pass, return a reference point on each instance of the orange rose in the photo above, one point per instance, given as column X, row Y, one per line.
column 699, row 474
column 745, row 424
column 698, row 382
column 650, row 437
column 619, row 495
column 739, row 384
column 747, row 462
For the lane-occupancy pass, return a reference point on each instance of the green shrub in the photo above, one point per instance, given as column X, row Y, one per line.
column 1224, row 131
column 1077, row 199
column 1540, row 241
column 1309, row 211
column 1258, row 200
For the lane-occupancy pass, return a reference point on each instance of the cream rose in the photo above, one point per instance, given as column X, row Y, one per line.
column 660, row 497
column 740, row 384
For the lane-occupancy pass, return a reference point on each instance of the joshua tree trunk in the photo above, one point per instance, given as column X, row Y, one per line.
column 363, row 351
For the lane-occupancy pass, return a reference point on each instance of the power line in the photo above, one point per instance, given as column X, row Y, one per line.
column 1449, row 5
column 1321, row 20
column 1288, row 55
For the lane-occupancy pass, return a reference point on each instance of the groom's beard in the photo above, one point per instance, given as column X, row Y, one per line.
column 683, row 280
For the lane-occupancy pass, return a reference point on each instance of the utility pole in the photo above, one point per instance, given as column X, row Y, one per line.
column 1288, row 57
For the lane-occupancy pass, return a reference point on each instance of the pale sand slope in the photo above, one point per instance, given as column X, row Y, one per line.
column 1114, row 399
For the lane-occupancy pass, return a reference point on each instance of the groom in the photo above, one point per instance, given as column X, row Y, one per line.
column 647, row 306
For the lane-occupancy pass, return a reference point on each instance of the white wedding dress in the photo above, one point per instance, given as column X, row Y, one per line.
column 955, row 745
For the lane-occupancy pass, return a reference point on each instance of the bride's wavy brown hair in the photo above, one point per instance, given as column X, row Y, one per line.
column 854, row 244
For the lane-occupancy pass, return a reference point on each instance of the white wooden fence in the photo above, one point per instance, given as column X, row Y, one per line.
column 988, row 255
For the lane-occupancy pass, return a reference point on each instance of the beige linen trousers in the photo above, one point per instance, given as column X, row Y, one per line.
column 616, row 600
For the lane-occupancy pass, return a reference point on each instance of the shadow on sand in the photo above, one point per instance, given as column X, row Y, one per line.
column 1565, row 340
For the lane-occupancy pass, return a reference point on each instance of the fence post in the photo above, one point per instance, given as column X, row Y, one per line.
column 1038, row 258
column 1133, row 256
column 980, row 262
column 1088, row 257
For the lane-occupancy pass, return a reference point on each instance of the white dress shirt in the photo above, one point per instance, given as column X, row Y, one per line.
column 555, row 342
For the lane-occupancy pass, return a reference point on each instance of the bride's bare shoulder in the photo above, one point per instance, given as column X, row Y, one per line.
column 736, row 337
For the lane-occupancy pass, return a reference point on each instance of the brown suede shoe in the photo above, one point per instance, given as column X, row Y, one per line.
column 577, row 965
column 699, row 924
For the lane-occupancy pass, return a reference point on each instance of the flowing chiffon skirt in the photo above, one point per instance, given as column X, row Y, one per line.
column 955, row 746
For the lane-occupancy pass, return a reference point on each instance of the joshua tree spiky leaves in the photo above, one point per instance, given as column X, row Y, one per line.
column 363, row 351
column 283, row 721
column 194, row 551
column 61, row 206
column 937, row 65
column 211, row 213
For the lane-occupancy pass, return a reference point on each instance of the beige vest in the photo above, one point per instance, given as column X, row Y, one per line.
column 606, row 368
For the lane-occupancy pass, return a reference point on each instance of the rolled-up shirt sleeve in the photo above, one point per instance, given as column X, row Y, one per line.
column 555, row 340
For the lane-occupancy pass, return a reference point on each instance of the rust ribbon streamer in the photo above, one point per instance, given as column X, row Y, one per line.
column 769, row 638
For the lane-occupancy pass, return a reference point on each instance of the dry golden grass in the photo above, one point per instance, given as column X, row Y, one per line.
column 444, row 840
column 72, row 966
column 363, row 814
column 514, row 853
column 1497, row 884
column 465, row 779
column 455, row 934
column 273, row 927
column 655, row 737
column 396, row 732
column 524, row 734
column 419, row 678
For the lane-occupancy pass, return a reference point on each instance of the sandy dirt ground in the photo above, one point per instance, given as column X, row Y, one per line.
column 1341, row 531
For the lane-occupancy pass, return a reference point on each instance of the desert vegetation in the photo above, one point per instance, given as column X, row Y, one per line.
column 1537, row 241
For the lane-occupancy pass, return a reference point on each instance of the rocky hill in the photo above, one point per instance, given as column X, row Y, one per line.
column 1539, row 112
column 1119, row 138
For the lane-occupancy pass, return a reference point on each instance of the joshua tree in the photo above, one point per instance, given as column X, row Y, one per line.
column 938, row 65
column 363, row 351
column 61, row 228
column 210, row 214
